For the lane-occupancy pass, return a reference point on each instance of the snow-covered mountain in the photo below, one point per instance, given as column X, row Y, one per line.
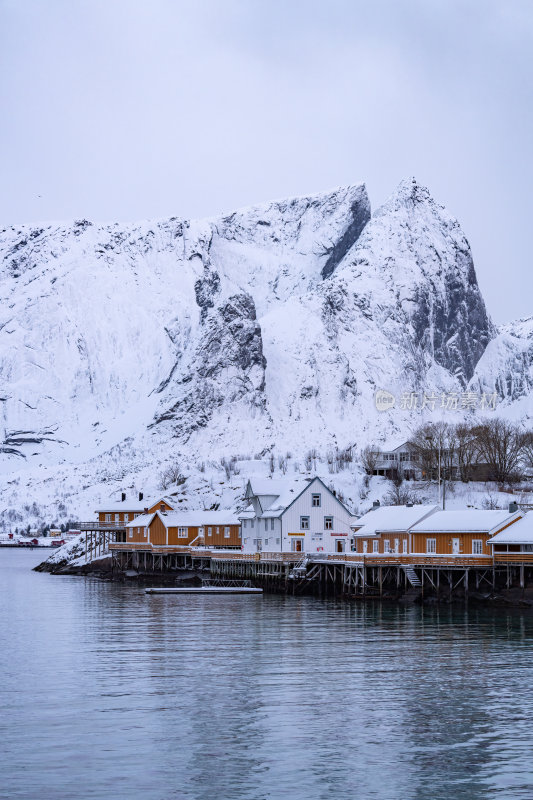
column 124, row 346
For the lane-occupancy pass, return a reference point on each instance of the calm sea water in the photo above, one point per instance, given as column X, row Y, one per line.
column 106, row 692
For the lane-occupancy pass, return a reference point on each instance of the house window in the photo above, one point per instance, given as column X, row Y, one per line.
column 146, row 531
column 183, row 533
column 117, row 517
column 244, row 523
column 210, row 531
column 277, row 541
column 315, row 500
column 477, row 547
column 130, row 533
column 404, row 545
column 266, row 524
column 162, row 507
column 304, row 523
column 108, row 517
column 328, row 523
column 126, row 517
column 251, row 523
column 386, row 546
column 375, row 546
column 246, row 540
column 431, row 545
column 226, row 533
column 272, row 524
column 218, row 531
column 136, row 515
column 266, row 541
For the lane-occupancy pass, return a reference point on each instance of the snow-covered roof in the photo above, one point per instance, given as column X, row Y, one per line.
column 520, row 532
column 140, row 521
column 115, row 506
column 268, row 513
column 224, row 516
column 390, row 447
column 284, row 491
column 178, row 519
column 391, row 518
column 467, row 520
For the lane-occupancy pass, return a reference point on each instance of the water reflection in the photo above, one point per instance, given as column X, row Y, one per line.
column 109, row 692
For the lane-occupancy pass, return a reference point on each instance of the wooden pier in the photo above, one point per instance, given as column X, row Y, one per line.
column 335, row 574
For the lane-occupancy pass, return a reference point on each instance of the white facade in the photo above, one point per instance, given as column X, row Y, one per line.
column 261, row 533
column 302, row 516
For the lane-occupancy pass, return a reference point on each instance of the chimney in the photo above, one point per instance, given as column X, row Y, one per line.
column 123, row 496
column 140, row 496
column 513, row 507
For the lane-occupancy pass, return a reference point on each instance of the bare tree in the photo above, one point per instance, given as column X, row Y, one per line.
column 501, row 445
column 435, row 444
column 369, row 458
column 399, row 496
column 490, row 502
column 397, row 474
column 230, row 466
column 527, row 452
column 466, row 448
column 172, row 476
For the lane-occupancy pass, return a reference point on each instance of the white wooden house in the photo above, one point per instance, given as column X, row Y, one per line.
column 294, row 516
column 396, row 458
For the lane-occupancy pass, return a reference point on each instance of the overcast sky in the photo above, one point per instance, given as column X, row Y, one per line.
column 122, row 110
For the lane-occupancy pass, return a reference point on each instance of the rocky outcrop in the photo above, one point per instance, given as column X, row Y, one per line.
column 506, row 367
column 228, row 366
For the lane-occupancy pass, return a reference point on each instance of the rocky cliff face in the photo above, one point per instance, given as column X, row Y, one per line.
column 270, row 327
column 506, row 368
column 413, row 264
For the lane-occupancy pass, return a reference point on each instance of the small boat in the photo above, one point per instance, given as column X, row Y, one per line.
column 206, row 590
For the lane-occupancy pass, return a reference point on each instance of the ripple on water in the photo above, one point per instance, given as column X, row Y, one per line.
column 108, row 692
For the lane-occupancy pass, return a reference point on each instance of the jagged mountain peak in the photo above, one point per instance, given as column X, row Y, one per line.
column 410, row 189
column 412, row 262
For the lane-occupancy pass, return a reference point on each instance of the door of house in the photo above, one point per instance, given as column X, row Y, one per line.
column 455, row 547
column 340, row 546
column 365, row 547
column 259, row 545
column 396, row 545
column 298, row 546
